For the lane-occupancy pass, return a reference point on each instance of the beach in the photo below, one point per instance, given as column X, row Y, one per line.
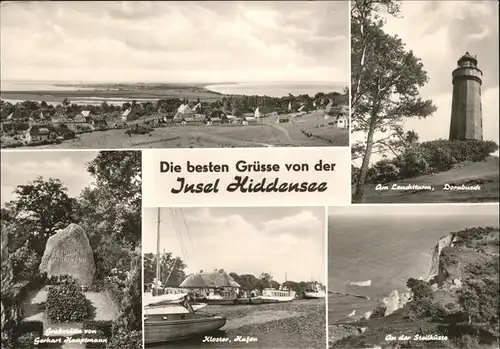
column 277, row 89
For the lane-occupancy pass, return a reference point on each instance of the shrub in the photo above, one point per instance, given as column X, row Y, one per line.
column 27, row 327
column 412, row 163
column 66, row 303
column 433, row 156
column 114, row 292
column 97, row 286
column 27, row 341
column 103, row 330
column 62, row 280
column 419, row 288
column 25, row 263
column 385, row 171
column 466, row 341
column 479, row 297
column 426, row 308
column 378, row 312
column 126, row 340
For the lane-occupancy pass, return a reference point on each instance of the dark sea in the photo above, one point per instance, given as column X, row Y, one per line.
column 297, row 324
column 386, row 250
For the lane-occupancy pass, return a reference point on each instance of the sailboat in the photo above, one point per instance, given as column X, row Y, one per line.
column 172, row 317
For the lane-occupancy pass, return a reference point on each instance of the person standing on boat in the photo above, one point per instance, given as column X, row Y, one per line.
column 187, row 304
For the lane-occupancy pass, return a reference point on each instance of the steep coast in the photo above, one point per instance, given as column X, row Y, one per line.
column 454, row 306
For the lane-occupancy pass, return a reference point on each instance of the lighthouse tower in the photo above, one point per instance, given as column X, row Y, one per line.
column 466, row 110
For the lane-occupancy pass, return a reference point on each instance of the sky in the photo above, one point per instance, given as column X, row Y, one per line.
column 440, row 32
column 442, row 209
column 275, row 240
column 22, row 167
column 196, row 41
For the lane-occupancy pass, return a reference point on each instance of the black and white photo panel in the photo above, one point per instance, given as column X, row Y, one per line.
column 234, row 277
column 413, row 276
column 424, row 117
column 71, row 249
column 175, row 74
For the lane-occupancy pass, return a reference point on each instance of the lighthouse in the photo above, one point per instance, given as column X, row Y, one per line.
column 466, row 109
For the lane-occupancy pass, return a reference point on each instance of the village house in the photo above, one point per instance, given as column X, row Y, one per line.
column 194, row 120
column 229, row 119
column 7, row 124
column 249, row 120
column 57, row 120
column 248, row 115
column 213, row 120
column 197, row 107
column 44, row 118
column 335, row 111
column 183, row 111
column 165, row 119
column 283, row 119
column 342, row 121
column 36, row 134
column 83, row 117
column 125, row 114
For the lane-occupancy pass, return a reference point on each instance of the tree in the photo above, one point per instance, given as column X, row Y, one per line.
column 171, row 269
column 8, row 316
column 266, row 280
column 110, row 212
column 40, row 209
column 479, row 296
column 120, row 173
column 364, row 18
column 7, row 275
column 131, row 318
column 385, row 83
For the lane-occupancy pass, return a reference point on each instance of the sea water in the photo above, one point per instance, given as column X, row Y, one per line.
column 386, row 250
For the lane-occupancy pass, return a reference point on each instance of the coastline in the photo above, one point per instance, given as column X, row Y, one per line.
column 395, row 313
column 113, row 92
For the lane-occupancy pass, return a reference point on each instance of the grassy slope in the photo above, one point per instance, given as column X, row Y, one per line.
column 486, row 171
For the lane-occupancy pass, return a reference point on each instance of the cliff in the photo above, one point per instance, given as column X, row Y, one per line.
column 457, row 300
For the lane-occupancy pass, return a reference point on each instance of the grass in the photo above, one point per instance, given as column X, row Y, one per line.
column 264, row 134
column 485, row 172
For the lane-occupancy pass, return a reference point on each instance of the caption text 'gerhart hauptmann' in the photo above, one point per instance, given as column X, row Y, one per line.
column 245, row 184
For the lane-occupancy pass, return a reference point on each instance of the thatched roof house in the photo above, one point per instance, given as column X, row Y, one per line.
column 214, row 279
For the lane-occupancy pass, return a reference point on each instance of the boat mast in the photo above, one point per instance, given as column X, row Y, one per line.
column 158, row 247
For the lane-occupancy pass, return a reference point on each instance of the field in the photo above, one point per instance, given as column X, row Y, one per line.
column 485, row 173
column 309, row 130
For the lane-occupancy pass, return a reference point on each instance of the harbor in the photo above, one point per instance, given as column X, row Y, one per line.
column 207, row 308
column 297, row 324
